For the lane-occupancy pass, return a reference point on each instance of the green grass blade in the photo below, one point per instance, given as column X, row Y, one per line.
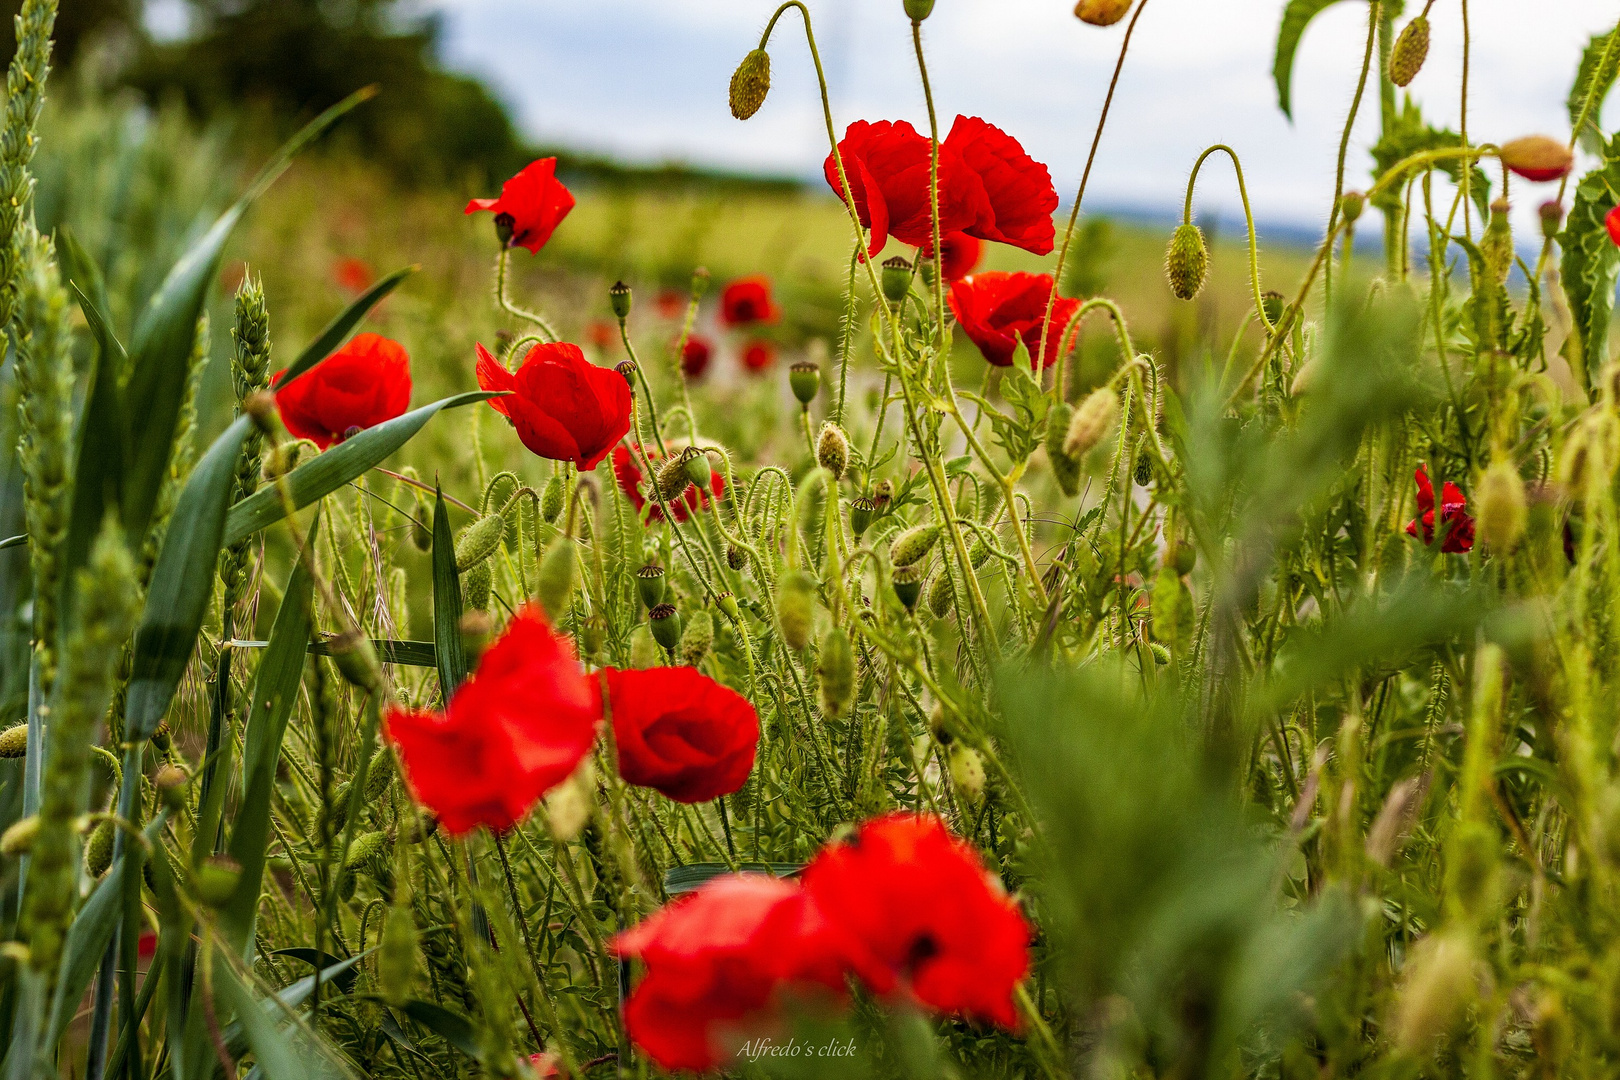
column 451, row 655
column 338, row 330
column 453, row 1028
column 278, row 1051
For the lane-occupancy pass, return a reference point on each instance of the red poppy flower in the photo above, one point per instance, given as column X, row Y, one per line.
column 531, row 206
column 888, row 166
column 918, row 911
column 1018, row 196
column 681, row 733
column 1612, row 223
column 361, row 385
column 962, row 255
column 546, row 1066
column 353, row 275
column 627, row 471
column 671, row 303
column 747, row 301
column 146, row 945
column 695, row 356
column 758, row 356
column 1459, row 525
column 563, row 406
column 996, row 309
column 718, row 962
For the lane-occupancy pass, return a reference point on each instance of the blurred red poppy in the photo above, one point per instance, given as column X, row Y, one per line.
column 531, row 206
column 671, row 303
column 353, row 275
column 563, row 406
column 695, row 356
column 995, row 310
column 516, row 729
column 361, row 385
column 962, row 255
column 546, row 1066
column 627, row 471
column 1459, row 525
column 1018, row 196
column 602, row 334
column 758, row 356
column 1612, row 223
column 917, row 910
column 747, row 301
column 681, row 733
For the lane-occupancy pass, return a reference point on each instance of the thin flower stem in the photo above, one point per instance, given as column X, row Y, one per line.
column 933, row 192
column 1248, row 217
column 1344, row 142
column 512, row 309
column 846, row 345
column 646, row 390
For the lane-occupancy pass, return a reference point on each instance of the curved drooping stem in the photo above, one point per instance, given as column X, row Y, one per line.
column 1248, row 217
column 506, row 305
column 1344, row 139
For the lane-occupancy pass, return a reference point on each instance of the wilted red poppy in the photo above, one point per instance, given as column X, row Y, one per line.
column 627, row 471
column 758, row 356
column 681, row 733
column 718, row 962
column 961, row 257
column 531, row 206
column 1018, row 197
column 353, row 275
column 1458, row 524
column 516, row 729
column 996, row 309
column 563, row 406
column 361, row 385
column 1612, row 223
column 747, row 301
column 888, row 165
column 695, row 356
column 918, row 911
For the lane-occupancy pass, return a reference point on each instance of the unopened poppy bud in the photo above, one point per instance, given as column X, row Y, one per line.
column 1496, row 244
column 281, row 461
column 967, row 771
column 1161, row 655
column 650, row 583
column 796, row 607
column 698, row 469
column 356, row 660
column 479, row 540
column 1552, row 218
column 1143, row 472
column 700, row 282
column 832, row 449
column 728, row 604
column 940, row 595
column 697, row 639
column 592, row 635
column 1186, row 262
column 908, row 585
column 978, row 553
column 666, row 626
column 396, row 959
column 1351, row 203
column 556, row 577
column 896, row 279
column 1182, row 557
column 1101, row 12
column 836, row 668
column 19, row 839
column 170, row 782
column 261, row 407
column 14, row 742
column 643, row 649
column 619, row 300
column 551, row 500
column 1503, row 512
column 750, row 83
column 918, row 10
column 217, row 879
column 1065, row 469
column 882, row 493
column 627, row 372
column 476, row 586
column 1272, row 303
column 1092, row 421
column 736, row 557
column 1410, row 50
column 98, row 849
column 1537, row 158
column 804, row 378
column 672, row 478
column 913, row 544
column 1439, row 983
column 476, row 629
column 861, row 512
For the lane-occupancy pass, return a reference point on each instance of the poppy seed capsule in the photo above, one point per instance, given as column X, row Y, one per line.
column 1537, row 158
column 1091, row 422
column 1187, row 261
column 98, row 849
column 697, row 639
column 832, row 449
column 911, row 545
column 555, row 582
column 861, row 512
column 836, row 667
column 170, row 782
column 551, row 500
column 882, row 493
column 1101, row 12
column 627, row 371
column 804, row 378
column 1065, row 469
column 750, row 83
column 396, row 960
column 907, row 582
column 666, row 626
column 1552, row 218
column 479, row 540
column 1410, row 50
column 896, row 279
column 619, row 300
column 1503, row 512
column 728, row 604
column 650, row 583
column 1351, row 203
column 700, row 282
column 796, row 607
column 698, row 469
column 918, row 10
column 14, row 742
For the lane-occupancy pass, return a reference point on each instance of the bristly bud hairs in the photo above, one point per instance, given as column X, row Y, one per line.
column 1187, row 261
column 750, row 83
column 1411, row 49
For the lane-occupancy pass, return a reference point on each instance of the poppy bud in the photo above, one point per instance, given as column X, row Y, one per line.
column 805, row 379
column 627, row 372
column 861, row 511
column 967, row 771
column 896, row 279
column 940, row 595
column 396, row 960
column 555, row 582
column 378, row 773
column 1143, row 473
column 1552, row 218
column 697, row 639
column 750, row 83
column 619, row 300
column 421, row 535
column 1064, row 468
column 479, row 540
column 1351, row 203
column 832, row 449
column 1161, row 655
column 665, row 622
column 796, row 607
column 98, row 849
column 978, row 553
column 908, row 585
column 1410, row 50
column 1186, row 262
column 643, row 650
column 170, row 782
column 736, row 557
column 836, row 666
column 592, row 634
column 728, row 604
column 1439, row 983
column 882, row 492
column 551, row 500
column 14, row 742
column 476, row 585
column 700, row 282
column 1182, row 557
column 911, row 545
column 217, row 878
column 1101, row 12
column 918, row 10
column 672, row 478
column 1091, row 422
column 261, row 407
column 1272, row 303
column 1496, row 244
column 1537, row 158
column 356, row 660
column 19, row 839
column 650, row 583
column 698, row 469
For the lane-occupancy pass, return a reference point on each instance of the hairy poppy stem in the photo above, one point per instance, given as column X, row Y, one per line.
column 933, row 191
column 1248, row 217
column 1344, row 142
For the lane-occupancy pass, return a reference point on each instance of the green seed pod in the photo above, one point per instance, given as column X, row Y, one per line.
column 908, row 585
column 836, row 668
column 1101, row 12
column 1552, row 218
column 940, row 595
column 1272, row 303
column 378, row 775
column 1143, row 473
column 896, row 279
column 918, row 10
column 1410, row 50
column 1065, row 469
column 479, row 540
column 217, row 879
column 911, row 545
column 1161, row 655
column 356, row 660
column 339, row 810
column 861, row 512
column 750, row 83
column 396, row 960
column 643, row 650
column 551, row 500
column 700, row 283
column 697, row 639
column 672, row 478
column 19, row 838
column 1091, row 423
column 619, row 300
column 665, row 622
column 728, row 604
column 160, row 737
column 98, row 849
column 1496, row 243
column 698, row 469
column 476, row 585
column 1181, row 557
column 1503, row 508
column 650, row 583
column 832, row 449
column 555, row 580
column 796, row 607
column 804, row 378
column 1187, row 261
column 1351, row 204
column 592, row 636
column 14, row 742
column 967, row 771
column 170, row 782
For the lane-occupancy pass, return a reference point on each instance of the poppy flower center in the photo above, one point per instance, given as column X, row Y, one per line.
column 923, row 949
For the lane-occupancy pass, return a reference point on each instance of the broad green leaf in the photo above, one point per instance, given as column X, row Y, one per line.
column 1296, row 16
column 182, row 582
column 344, row 980
column 339, row 328
column 275, row 692
column 453, row 1028
column 1591, row 265
column 451, row 655
column 1593, row 80
column 337, row 466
